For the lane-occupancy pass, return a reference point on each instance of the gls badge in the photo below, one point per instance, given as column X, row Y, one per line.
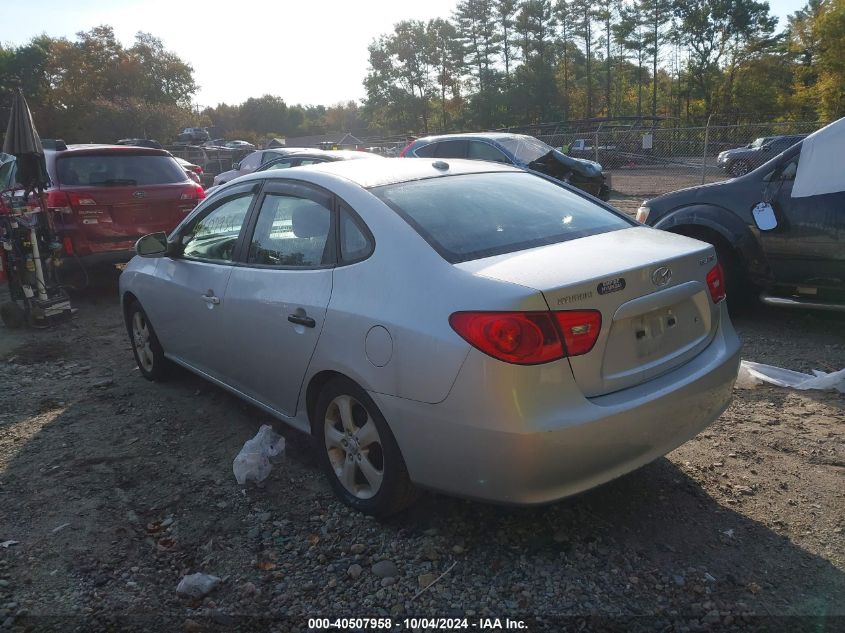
column 611, row 285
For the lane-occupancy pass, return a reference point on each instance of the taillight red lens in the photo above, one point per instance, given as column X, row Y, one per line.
column 58, row 201
column 405, row 149
column 195, row 192
column 523, row 338
column 716, row 283
column 580, row 329
column 67, row 243
column 529, row 338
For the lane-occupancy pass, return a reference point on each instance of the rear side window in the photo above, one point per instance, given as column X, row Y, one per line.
column 116, row 170
column 354, row 244
column 426, row 151
column 479, row 215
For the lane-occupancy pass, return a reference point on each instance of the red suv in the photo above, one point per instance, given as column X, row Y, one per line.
column 107, row 196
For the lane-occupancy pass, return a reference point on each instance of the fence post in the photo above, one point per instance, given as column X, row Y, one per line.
column 596, row 147
column 706, row 141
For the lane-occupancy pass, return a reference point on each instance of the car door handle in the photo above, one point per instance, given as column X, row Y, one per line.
column 302, row 320
column 211, row 299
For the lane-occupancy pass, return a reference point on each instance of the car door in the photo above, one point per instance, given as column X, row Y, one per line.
column 808, row 245
column 277, row 296
column 189, row 301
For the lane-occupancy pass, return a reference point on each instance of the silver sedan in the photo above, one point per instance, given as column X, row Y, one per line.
column 465, row 327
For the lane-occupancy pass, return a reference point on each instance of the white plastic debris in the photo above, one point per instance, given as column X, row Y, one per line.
column 197, row 585
column 253, row 462
column 753, row 374
column 8, row 544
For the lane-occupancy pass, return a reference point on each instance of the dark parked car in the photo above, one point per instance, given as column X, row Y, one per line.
column 107, row 196
column 768, row 235
column 741, row 160
column 305, row 156
column 515, row 149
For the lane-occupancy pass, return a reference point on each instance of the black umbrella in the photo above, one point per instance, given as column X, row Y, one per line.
column 23, row 142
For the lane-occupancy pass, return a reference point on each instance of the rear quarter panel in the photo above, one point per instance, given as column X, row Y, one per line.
column 408, row 289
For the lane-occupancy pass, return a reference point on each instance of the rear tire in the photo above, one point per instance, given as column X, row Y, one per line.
column 149, row 355
column 357, row 451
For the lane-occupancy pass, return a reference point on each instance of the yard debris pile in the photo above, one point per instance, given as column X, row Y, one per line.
column 253, row 462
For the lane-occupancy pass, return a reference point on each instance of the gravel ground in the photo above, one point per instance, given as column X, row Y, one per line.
column 115, row 488
column 632, row 185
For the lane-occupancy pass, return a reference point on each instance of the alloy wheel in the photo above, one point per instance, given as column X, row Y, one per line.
column 354, row 447
column 141, row 339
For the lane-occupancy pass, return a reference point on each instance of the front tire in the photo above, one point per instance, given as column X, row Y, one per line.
column 357, row 451
column 146, row 347
column 739, row 168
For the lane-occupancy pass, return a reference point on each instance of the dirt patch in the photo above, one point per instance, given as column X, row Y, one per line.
column 115, row 488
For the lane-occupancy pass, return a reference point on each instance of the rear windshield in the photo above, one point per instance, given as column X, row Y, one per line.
column 115, row 170
column 479, row 215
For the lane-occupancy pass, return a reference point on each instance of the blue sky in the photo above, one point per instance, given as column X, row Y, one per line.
column 306, row 52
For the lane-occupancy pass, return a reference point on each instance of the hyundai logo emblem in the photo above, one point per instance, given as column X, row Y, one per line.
column 661, row 276
column 139, row 194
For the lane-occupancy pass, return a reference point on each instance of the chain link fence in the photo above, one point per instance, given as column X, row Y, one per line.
column 644, row 163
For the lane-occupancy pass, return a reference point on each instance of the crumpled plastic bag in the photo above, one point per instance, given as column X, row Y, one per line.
column 253, row 462
column 753, row 374
column 197, row 585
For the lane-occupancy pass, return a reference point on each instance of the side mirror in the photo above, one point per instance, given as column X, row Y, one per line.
column 236, row 166
column 152, row 245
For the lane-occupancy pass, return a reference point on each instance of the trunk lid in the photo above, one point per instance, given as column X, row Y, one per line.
column 122, row 196
column 650, row 287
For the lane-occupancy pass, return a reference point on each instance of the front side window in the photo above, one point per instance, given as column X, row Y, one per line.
column 290, row 231
column 525, row 149
column 485, row 151
column 251, row 162
column 213, row 236
column 480, row 215
column 790, row 169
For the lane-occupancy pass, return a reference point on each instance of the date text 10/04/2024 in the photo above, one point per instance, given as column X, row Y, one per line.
column 447, row 624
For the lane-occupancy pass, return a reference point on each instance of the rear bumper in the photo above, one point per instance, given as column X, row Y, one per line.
column 506, row 448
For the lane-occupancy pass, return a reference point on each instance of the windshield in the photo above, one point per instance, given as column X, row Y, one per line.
column 758, row 143
column 479, row 215
column 525, row 149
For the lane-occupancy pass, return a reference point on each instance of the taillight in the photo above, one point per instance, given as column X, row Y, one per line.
column 195, row 192
column 529, row 338
column 67, row 243
column 77, row 200
column 58, row 201
column 580, row 329
column 405, row 149
column 716, row 283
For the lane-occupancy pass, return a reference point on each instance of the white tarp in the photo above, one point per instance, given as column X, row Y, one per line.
column 820, row 168
column 752, row 374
